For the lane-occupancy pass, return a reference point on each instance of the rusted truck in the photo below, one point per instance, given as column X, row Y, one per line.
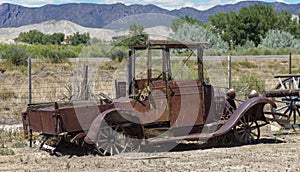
column 157, row 108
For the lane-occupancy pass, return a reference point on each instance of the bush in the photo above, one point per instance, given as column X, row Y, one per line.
column 247, row 46
column 277, row 39
column 118, row 55
column 247, row 64
column 6, row 151
column 15, row 55
column 197, row 33
column 54, row 56
column 246, row 83
column 58, row 54
column 19, row 144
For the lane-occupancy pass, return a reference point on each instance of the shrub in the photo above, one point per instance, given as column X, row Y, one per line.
column 57, row 56
column 247, row 64
column 19, row 144
column 118, row 55
column 247, row 46
column 277, row 39
column 197, row 33
column 15, row 55
column 246, row 83
column 6, row 151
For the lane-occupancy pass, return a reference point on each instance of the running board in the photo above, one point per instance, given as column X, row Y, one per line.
column 191, row 137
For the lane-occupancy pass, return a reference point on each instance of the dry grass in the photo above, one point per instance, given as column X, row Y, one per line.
column 59, row 82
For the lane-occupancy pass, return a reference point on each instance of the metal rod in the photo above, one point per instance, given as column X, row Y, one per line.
column 30, row 138
column 229, row 71
column 290, row 63
column 85, row 82
column 29, row 80
column 129, row 76
column 164, row 64
column 200, row 63
column 149, row 65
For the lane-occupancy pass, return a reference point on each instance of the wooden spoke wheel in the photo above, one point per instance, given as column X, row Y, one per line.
column 247, row 130
column 288, row 106
column 113, row 139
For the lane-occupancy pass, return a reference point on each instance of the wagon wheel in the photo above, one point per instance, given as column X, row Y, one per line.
column 247, row 130
column 113, row 139
column 288, row 106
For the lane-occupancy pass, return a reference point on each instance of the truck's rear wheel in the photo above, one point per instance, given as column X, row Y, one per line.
column 113, row 138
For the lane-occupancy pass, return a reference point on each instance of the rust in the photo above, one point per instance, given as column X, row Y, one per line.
column 186, row 109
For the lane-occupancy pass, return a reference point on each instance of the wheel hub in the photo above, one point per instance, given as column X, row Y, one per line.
column 247, row 129
column 111, row 139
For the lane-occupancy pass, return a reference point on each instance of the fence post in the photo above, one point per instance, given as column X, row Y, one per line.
column 229, row 71
column 85, row 82
column 290, row 63
column 29, row 80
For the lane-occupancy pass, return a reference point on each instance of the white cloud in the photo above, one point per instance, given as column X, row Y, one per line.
column 167, row 4
column 35, row 3
column 189, row 4
column 209, row 4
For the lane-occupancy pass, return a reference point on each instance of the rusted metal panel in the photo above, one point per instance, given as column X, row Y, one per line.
column 69, row 120
column 256, row 103
column 43, row 121
column 34, row 121
column 186, row 103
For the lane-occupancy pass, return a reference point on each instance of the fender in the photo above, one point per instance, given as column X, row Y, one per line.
column 257, row 103
column 92, row 134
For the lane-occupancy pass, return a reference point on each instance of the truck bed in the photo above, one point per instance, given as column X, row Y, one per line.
column 54, row 118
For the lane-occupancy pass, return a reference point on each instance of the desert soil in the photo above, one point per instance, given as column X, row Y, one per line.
column 277, row 151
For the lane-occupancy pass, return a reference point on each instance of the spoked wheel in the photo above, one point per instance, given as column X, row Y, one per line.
column 113, row 139
column 247, row 130
column 288, row 106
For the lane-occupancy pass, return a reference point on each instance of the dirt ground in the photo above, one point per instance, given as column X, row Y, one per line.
column 277, row 151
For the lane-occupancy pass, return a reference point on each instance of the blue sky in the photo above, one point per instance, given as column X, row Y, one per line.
column 168, row 4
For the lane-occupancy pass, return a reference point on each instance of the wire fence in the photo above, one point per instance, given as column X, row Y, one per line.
column 87, row 79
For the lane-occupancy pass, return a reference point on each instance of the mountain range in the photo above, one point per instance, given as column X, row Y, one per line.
column 111, row 16
column 7, row 35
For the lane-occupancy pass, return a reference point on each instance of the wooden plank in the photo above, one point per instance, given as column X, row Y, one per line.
column 281, row 93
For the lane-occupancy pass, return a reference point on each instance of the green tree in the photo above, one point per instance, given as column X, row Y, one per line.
column 284, row 19
column 31, row 37
column 178, row 22
column 249, row 24
column 228, row 27
column 57, row 38
column 136, row 37
column 37, row 37
column 135, row 30
column 78, row 38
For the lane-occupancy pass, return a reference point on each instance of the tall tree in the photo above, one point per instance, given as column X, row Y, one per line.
column 136, row 36
column 78, row 38
column 250, row 24
column 178, row 22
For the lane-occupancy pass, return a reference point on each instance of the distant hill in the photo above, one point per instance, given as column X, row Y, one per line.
column 69, row 28
column 101, row 15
